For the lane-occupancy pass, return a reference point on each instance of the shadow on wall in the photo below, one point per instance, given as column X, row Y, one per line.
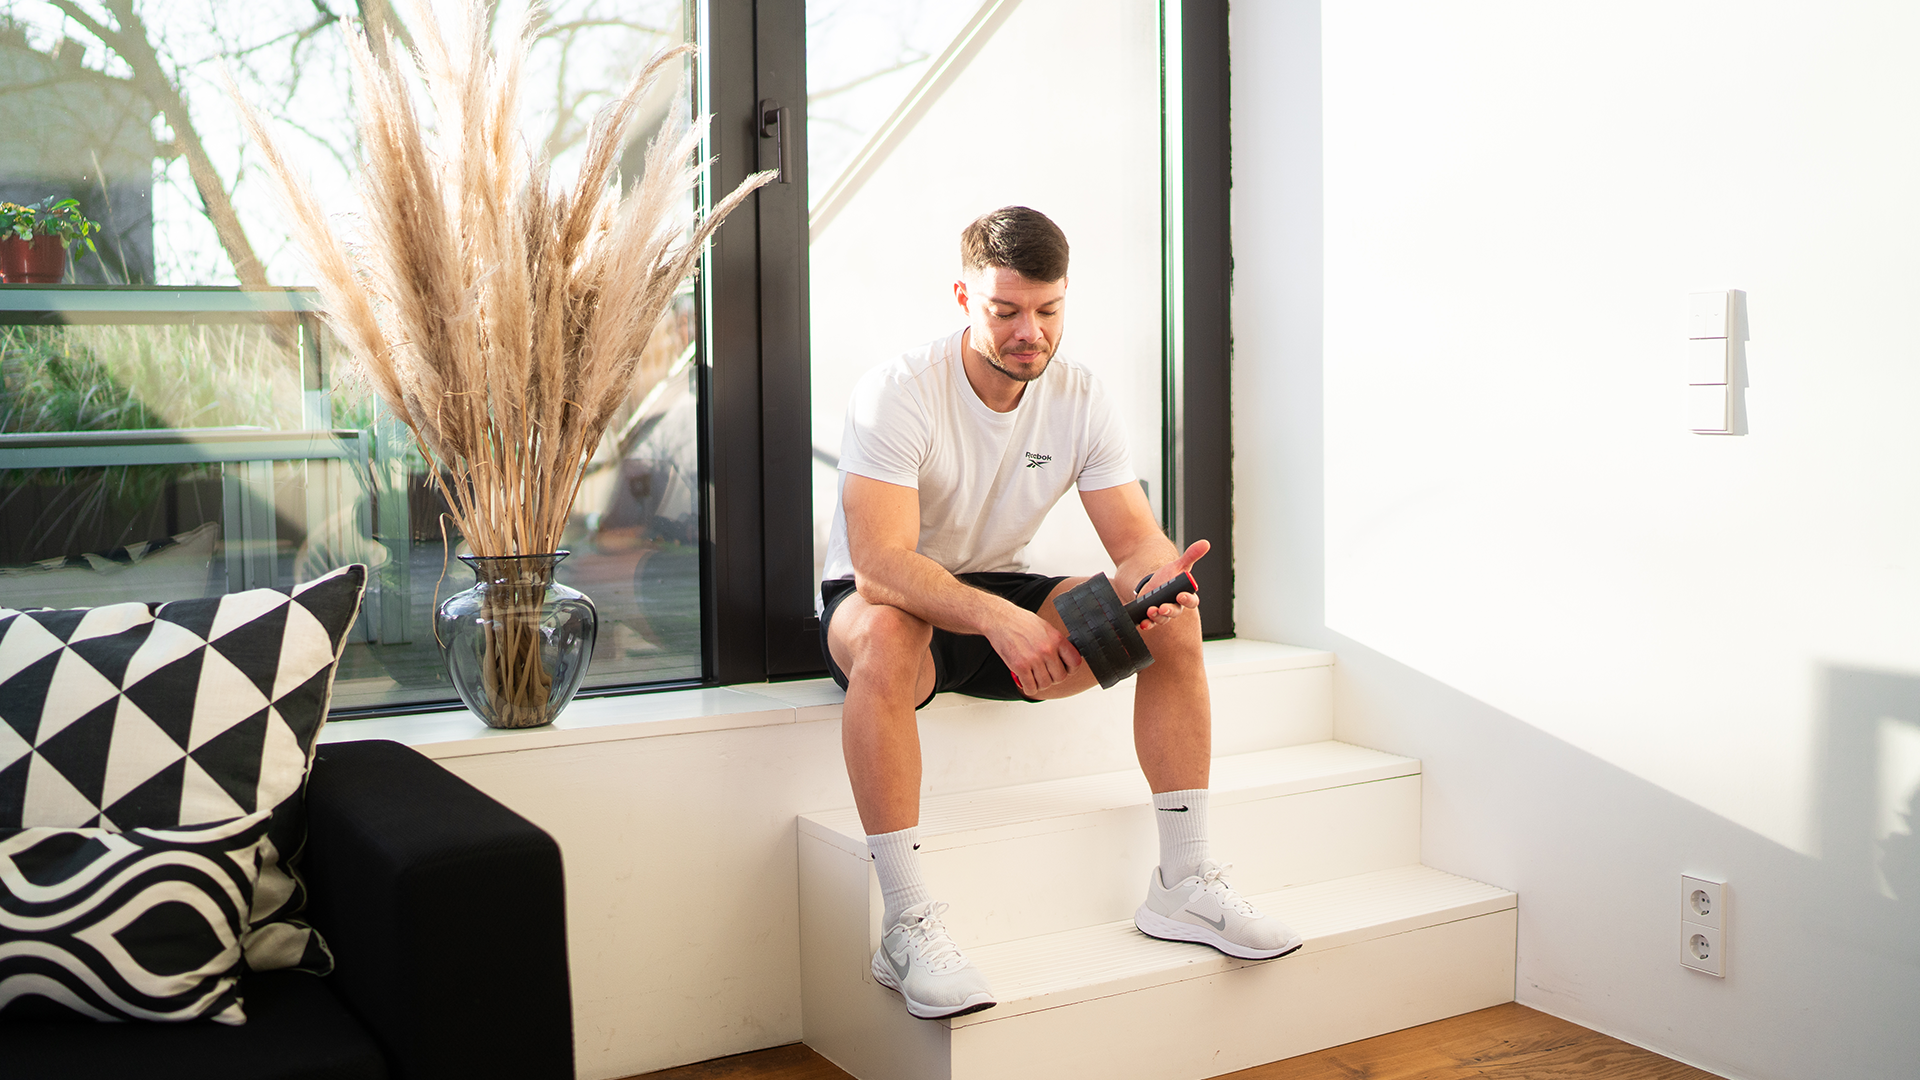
column 1869, row 783
column 1824, row 957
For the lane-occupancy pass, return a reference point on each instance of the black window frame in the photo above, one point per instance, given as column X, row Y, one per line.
column 1198, row 452
column 756, row 445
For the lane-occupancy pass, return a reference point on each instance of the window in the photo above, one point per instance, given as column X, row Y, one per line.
column 165, row 433
column 923, row 115
column 919, row 130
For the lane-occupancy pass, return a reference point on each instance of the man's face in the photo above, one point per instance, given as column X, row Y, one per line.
column 1016, row 322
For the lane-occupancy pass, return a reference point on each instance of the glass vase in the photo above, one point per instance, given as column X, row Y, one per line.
column 517, row 643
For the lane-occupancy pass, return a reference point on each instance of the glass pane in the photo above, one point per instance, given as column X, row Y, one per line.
column 921, row 117
column 164, row 435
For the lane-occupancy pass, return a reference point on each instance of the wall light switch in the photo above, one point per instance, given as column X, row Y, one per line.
column 1708, row 410
column 1709, row 314
column 1709, row 360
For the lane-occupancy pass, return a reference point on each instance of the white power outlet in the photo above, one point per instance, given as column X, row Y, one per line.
column 1703, row 948
column 1703, row 925
column 1703, row 901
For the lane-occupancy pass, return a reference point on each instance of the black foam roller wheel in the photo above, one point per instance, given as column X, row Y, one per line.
column 1099, row 626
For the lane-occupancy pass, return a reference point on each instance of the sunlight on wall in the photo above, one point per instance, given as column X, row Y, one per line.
column 1514, row 505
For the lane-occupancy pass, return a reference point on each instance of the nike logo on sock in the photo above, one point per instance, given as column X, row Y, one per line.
column 1173, row 809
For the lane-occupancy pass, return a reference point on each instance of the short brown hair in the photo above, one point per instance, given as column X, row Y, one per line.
column 1015, row 238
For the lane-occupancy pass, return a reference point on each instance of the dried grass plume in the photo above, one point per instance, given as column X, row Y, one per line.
column 502, row 320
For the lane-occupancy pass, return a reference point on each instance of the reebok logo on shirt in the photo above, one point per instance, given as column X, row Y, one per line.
column 1034, row 460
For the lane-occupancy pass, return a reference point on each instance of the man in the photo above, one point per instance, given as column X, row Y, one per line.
column 953, row 455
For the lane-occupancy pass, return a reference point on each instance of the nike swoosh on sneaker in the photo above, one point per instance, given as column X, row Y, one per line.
column 900, row 969
column 1219, row 924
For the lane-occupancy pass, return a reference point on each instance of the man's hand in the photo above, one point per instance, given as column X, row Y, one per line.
column 1133, row 539
column 883, row 524
column 1165, row 613
column 1036, row 653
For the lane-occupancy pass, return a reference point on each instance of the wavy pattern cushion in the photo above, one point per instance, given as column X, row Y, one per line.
column 156, row 716
column 140, row 925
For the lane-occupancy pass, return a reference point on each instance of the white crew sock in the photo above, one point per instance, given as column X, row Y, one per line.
column 896, row 858
column 1182, row 817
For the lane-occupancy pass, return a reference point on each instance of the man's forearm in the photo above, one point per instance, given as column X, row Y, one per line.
column 919, row 586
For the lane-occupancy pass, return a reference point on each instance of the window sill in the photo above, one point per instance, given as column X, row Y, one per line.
column 458, row 733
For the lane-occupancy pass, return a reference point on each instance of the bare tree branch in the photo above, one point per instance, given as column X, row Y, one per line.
column 904, row 64
column 298, row 37
column 563, row 112
column 130, row 41
column 342, row 155
column 551, row 28
column 57, row 80
column 569, row 128
column 381, row 20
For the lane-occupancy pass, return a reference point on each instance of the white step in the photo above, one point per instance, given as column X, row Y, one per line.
column 1385, row 950
column 1043, row 878
column 1283, row 817
column 1264, row 696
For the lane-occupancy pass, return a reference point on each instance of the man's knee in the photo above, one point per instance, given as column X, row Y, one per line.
column 884, row 638
column 1177, row 644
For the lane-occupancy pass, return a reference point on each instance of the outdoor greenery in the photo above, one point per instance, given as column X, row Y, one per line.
column 50, row 216
column 130, row 378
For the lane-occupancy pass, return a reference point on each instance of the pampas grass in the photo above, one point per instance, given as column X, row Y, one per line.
column 500, row 319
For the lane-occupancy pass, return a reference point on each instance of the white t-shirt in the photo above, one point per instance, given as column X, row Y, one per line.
column 986, row 479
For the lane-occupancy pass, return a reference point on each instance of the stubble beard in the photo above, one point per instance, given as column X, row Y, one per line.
column 991, row 354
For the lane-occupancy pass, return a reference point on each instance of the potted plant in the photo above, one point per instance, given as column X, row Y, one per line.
column 501, row 318
column 34, row 239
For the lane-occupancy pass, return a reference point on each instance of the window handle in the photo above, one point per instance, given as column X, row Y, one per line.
column 773, row 125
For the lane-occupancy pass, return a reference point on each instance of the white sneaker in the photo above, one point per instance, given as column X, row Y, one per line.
column 1205, row 909
column 918, row 959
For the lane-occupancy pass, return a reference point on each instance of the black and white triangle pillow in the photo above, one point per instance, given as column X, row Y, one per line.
column 155, row 716
column 140, row 925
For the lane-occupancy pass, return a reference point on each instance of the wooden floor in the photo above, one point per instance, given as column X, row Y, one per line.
column 1506, row 1042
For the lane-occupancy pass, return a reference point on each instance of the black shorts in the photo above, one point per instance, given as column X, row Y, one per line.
column 962, row 663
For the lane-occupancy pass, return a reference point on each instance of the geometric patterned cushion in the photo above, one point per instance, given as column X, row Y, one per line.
column 155, row 716
column 140, row 925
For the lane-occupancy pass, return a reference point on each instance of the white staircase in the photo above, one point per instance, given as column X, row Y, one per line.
column 1043, row 867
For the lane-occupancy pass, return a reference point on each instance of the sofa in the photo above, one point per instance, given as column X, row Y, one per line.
column 445, row 914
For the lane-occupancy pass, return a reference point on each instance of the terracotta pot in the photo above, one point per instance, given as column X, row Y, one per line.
column 39, row 261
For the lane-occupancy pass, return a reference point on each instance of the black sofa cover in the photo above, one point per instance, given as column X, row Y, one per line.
column 446, row 914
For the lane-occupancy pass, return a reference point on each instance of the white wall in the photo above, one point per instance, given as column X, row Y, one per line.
column 1464, row 238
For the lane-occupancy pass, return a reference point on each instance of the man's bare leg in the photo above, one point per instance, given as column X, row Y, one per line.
column 883, row 651
column 1172, row 714
column 1188, row 899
